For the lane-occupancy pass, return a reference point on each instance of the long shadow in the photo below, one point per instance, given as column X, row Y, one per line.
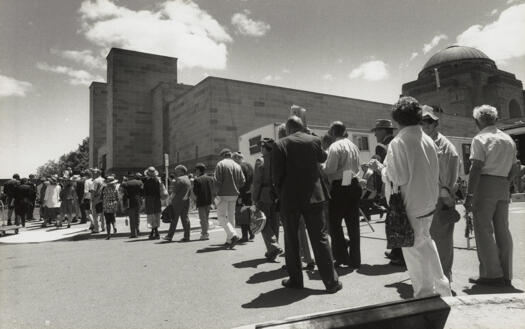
column 250, row 263
column 212, row 248
column 138, row 240
column 404, row 290
column 267, row 276
column 281, row 297
column 380, row 269
column 341, row 271
column 479, row 289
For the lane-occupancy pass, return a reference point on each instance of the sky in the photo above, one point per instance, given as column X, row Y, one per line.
column 50, row 51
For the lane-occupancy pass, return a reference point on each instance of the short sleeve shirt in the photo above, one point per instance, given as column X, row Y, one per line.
column 495, row 149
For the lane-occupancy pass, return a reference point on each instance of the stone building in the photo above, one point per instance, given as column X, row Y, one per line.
column 459, row 78
column 142, row 112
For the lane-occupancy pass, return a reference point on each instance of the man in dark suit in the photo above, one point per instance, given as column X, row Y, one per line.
column 180, row 201
column 296, row 159
column 133, row 190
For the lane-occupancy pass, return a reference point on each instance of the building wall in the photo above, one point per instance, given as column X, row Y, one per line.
column 97, row 119
column 214, row 113
column 131, row 77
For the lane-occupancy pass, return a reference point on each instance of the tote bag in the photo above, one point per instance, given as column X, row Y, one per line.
column 399, row 232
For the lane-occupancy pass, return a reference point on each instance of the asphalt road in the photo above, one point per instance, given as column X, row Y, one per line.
column 123, row 283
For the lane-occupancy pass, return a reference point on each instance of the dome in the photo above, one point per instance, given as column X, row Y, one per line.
column 456, row 54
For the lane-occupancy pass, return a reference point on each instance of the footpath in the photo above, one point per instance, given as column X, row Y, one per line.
column 34, row 233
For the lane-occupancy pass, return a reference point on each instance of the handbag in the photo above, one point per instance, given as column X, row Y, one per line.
column 167, row 214
column 399, row 232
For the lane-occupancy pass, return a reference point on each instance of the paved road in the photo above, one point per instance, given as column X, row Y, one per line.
column 123, row 283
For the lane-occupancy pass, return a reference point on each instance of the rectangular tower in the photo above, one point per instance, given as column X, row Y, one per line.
column 97, row 120
column 131, row 77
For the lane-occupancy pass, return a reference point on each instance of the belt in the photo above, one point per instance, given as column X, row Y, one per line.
column 426, row 215
column 494, row 176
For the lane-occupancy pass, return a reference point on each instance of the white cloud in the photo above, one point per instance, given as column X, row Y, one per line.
column 434, row 42
column 84, row 57
column 12, row 87
column 76, row 77
column 493, row 12
column 500, row 40
column 374, row 70
column 511, row 1
column 248, row 26
column 178, row 28
column 270, row 78
column 328, row 77
column 414, row 55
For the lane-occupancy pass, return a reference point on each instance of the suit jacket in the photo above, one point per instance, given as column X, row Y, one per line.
column 133, row 192
column 296, row 172
column 181, row 192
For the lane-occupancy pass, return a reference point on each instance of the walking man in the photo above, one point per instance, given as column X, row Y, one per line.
column 493, row 158
column 442, row 228
column 180, row 201
column 296, row 169
column 341, row 168
column 228, row 179
column 264, row 198
column 9, row 189
column 203, row 186
column 96, row 199
column 133, row 191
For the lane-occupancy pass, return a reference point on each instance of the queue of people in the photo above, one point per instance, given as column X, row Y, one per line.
column 309, row 185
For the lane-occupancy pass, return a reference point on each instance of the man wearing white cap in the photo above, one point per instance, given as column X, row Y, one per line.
column 445, row 216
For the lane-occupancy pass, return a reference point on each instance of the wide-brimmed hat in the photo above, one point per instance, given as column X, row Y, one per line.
column 110, row 180
column 75, row 178
column 383, row 124
column 428, row 113
column 151, row 172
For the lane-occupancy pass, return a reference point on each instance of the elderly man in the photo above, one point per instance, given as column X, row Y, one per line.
column 493, row 158
column 96, row 199
column 228, row 179
column 180, row 201
column 203, row 191
column 341, row 168
column 133, row 190
column 245, row 194
column 295, row 169
column 445, row 216
column 264, row 199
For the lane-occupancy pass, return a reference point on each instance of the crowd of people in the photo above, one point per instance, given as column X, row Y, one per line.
column 309, row 184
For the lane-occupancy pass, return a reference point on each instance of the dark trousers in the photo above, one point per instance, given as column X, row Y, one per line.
column 316, row 227
column 21, row 212
column 133, row 214
column 182, row 212
column 270, row 233
column 82, row 208
column 344, row 204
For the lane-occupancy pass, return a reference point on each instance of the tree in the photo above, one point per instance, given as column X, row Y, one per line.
column 78, row 160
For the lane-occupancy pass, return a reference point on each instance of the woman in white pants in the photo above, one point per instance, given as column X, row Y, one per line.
column 412, row 164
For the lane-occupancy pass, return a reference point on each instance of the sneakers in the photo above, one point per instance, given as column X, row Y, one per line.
column 235, row 240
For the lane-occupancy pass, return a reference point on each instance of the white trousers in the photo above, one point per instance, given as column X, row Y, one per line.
column 226, row 215
column 423, row 263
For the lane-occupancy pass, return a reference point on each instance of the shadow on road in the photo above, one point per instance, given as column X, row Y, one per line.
column 479, row 289
column 281, row 297
column 404, row 290
column 380, row 269
column 211, row 248
column 250, row 263
column 267, row 276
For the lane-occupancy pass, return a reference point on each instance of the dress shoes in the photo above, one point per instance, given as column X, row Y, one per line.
column 495, row 282
column 397, row 262
column 335, row 288
column 184, row 240
column 309, row 266
column 235, row 240
column 166, row 238
column 287, row 283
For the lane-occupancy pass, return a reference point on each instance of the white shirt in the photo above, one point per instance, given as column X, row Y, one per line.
column 342, row 155
column 52, row 196
column 495, row 149
column 412, row 163
column 88, row 186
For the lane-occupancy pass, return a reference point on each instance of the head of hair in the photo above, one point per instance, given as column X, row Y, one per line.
column 407, row 111
column 201, row 167
column 281, row 131
column 16, row 176
column 337, row 129
column 23, row 181
column 294, row 124
column 182, row 169
column 485, row 114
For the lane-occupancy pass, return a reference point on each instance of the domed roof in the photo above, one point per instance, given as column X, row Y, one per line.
column 454, row 54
